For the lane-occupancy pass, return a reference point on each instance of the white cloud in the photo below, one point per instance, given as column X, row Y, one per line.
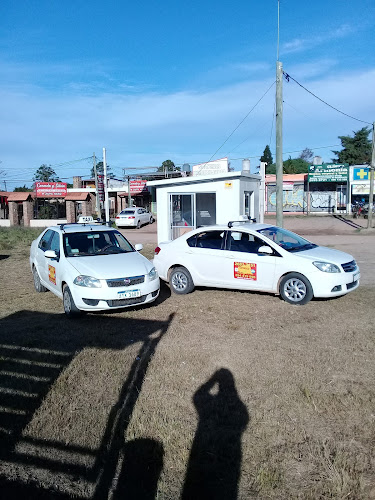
column 301, row 44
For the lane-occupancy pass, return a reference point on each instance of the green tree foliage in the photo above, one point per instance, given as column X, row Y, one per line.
column 307, row 155
column 168, row 166
column 45, row 173
column 100, row 171
column 290, row 166
column 267, row 156
column 356, row 150
column 22, row 189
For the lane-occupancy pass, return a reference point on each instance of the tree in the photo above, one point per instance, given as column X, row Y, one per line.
column 267, row 156
column 307, row 155
column 356, row 150
column 290, row 166
column 45, row 173
column 168, row 166
column 22, row 189
column 100, row 171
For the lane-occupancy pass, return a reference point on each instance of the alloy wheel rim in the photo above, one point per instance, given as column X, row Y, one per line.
column 295, row 289
column 179, row 281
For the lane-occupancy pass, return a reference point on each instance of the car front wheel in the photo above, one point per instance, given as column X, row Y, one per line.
column 70, row 309
column 37, row 283
column 296, row 289
column 181, row 281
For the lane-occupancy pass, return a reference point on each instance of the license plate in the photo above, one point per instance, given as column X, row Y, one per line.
column 129, row 294
column 356, row 276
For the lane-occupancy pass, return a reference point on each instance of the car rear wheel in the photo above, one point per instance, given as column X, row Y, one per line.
column 151, row 220
column 37, row 284
column 139, row 224
column 70, row 309
column 296, row 289
column 181, row 281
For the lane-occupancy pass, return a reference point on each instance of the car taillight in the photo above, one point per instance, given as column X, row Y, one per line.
column 131, row 217
column 117, row 217
column 157, row 250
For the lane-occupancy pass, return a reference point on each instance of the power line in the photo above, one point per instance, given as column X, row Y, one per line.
column 288, row 77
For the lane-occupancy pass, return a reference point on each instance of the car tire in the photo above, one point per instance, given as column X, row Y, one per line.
column 70, row 309
column 37, row 283
column 138, row 225
column 296, row 289
column 181, row 281
column 151, row 220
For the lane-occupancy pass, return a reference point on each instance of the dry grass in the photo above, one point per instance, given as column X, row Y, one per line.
column 218, row 394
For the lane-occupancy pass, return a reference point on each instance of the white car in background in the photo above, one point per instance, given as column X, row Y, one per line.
column 134, row 217
column 92, row 268
column 255, row 257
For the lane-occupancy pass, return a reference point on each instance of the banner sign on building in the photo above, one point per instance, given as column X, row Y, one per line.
column 138, row 187
column 50, row 189
column 101, row 187
column 211, row 167
column 361, row 174
column 328, row 173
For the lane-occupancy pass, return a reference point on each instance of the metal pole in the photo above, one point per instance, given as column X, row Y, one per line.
column 129, row 195
column 279, row 144
column 97, row 204
column 372, row 168
column 262, row 191
column 106, row 200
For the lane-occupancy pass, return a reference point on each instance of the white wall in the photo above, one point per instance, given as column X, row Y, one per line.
column 4, row 223
column 46, row 222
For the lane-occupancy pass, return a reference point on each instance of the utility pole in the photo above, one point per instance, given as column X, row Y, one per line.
column 106, row 200
column 129, row 194
column 372, row 168
column 279, row 144
column 97, row 203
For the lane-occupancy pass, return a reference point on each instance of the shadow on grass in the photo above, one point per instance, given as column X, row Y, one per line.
column 215, row 459
column 34, row 350
column 3, row 257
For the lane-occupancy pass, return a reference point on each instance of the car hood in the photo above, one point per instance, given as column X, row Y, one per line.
column 327, row 254
column 111, row 266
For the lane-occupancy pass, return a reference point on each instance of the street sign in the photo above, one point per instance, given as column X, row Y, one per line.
column 328, row 173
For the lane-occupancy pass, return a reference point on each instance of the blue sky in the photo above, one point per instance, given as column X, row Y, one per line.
column 152, row 81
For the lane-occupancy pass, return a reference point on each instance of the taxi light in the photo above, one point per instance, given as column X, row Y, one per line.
column 157, row 250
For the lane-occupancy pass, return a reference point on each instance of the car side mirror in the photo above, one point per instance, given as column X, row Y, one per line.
column 138, row 247
column 265, row 250
column 50, row 254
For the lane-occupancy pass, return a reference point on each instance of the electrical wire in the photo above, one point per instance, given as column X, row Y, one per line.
column 288, row 77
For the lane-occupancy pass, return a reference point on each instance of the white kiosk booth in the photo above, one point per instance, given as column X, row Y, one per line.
column 185, row 203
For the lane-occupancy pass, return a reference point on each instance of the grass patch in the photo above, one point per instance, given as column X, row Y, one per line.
column 16, row 237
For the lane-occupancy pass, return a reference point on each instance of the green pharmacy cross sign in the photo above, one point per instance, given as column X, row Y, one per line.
column 328, row 173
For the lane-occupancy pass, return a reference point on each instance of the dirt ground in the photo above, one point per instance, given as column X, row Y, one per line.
column 218, row 394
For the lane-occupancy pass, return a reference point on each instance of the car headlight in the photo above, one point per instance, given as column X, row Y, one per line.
column 153, row 274
column 88, row 281
column 326, row 267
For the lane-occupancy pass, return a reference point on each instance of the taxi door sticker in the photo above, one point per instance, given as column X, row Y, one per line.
column 245, row 271
column 52, row 274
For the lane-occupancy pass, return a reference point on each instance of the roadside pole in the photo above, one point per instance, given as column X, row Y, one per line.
column 106, row 200
column 262, row 190
column 97, row 201
column 372, row 168
column 279, row 144
column 129, row 195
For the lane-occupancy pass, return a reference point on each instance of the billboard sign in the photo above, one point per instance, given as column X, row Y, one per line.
column 328, row 173
column 100, row 178
column 50, row 189
column 138, row 187
column 211, row 167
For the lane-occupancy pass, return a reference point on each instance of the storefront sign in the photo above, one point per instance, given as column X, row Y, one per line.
column 101, row 187
column 361, row 188
column 361, row 174
column 211, row 167
column 328, row 173
column 50, row 189
column 138, row 187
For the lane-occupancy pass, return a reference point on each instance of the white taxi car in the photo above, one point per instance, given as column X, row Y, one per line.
column 257, row 257
column 134, row 217
column 92, row 268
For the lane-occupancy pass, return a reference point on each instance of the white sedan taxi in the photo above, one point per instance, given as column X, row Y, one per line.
column 255, row 257
column 92, row 268
column 134, row 217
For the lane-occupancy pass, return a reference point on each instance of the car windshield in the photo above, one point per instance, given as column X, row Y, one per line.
column 286, row 239
column 95, row 243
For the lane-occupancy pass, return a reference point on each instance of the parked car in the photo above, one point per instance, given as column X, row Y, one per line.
column 134, row 217
column 92, row 268
column 255, row 257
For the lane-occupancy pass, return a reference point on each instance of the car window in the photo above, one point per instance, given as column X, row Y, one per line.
column 95, row 243
column 209, row 239
column 127, row 212
column 55, row 242
column 239, row 241
column 286, row 239
column 44, row 243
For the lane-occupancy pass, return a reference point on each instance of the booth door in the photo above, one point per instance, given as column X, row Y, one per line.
column 182, row 217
